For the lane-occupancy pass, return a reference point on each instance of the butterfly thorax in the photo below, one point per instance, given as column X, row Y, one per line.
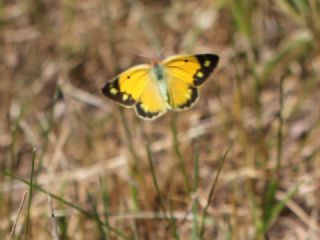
column 159, row 74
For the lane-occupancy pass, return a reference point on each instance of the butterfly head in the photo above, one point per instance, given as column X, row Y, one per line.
column 155, row 59
column 154, row 62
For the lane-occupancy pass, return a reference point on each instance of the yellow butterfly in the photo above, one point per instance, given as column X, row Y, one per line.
column 154, row 88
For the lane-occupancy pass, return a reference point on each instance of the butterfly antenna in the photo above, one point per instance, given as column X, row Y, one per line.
column 142, row 56
column 160, row 53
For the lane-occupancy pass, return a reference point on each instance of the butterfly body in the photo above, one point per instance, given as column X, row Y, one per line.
column 159, row 76
column 154, row 88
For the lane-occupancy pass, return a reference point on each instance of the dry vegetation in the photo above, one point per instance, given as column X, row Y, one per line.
column 76, row 166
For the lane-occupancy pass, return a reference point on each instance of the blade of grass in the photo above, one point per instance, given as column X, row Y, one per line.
column 280, row 129
column 28, row 231
column 302, row 7
column 177, row 149
column 128, row 135
column 171, row 219
column 277, row 209
column 134, row 207
column 86, row 213
column 134, row 171
column 242, row 16
column 154, row 179
column 257, row 91
column 291, row 48
column 228, row 234
column 54, row 230
column 98, row 221
column 211, row 193
column 18, row 214
column 16, row 114
column 271, row 190
column 195, row 204
column 274, row 183
column 106, row 203
column 254, row 208
column 290, row 10
column 173, row 225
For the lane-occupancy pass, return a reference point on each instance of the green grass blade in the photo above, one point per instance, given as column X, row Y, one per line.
column 106, row 204
column 254, row 211
column 134, row 205
column 171, row 219
column 181, row 161
column 292, row 48
column 277, row 209
column 211, row 193
column 302, row 7
column 96, row 216
column 28, row 220
column 154, row 179
column 273, row 185
column 173, row 224
column 130, row 145
column 288, row 8
column 134, row 171
column 86, row 213
column 195, row 205
column 241, row 12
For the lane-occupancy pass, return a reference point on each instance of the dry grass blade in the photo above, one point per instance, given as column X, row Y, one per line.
column 54, row 228
column 18, row 214
column 28, row 231
column 300, row 213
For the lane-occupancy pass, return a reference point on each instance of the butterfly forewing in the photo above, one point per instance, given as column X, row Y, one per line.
column 128, row 86
column 208, row 62
column 193, row 69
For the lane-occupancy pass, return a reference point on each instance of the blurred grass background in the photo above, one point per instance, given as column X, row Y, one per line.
column 243, row 163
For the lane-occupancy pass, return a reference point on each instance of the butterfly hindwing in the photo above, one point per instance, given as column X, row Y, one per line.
column 151, row 103
column 182, row 95
column 185, row 73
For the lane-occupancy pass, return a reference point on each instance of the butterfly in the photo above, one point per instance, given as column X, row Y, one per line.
column 152, row 89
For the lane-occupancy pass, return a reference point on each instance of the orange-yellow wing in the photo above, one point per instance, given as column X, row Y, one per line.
column 151, row 103
column 184, row 74
column 136, row 88
column 128, row 86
